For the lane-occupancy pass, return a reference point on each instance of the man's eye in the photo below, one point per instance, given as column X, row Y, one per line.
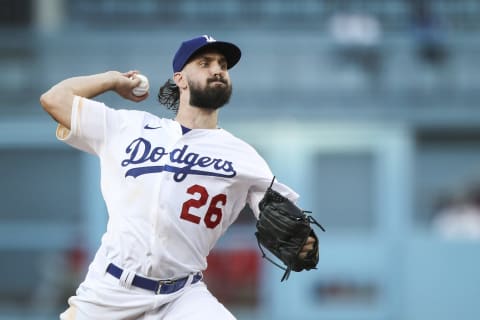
column 203, row 64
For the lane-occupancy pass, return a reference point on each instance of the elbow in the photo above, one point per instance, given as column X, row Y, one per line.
column 54, row 100
column 47, row 101
column 58, row 105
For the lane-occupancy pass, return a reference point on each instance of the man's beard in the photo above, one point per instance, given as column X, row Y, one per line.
column 210, row 97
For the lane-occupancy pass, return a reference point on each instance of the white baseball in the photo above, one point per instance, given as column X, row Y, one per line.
column 143, row 87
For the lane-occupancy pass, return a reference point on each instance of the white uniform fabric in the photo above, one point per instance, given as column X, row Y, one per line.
column 169, row 195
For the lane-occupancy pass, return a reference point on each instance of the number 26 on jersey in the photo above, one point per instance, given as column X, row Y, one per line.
column 213, row 214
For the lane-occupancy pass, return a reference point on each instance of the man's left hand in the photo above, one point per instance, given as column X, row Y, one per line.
column 309, row 245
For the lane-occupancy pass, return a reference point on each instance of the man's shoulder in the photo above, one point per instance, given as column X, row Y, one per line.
column 141, row 116
column 239, row 142
column 233, row 138
column 137, row 113
column 138, row 120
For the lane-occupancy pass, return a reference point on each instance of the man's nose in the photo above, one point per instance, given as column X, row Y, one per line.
column 217, row 70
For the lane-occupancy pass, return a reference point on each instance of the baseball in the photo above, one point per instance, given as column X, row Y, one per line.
column 143, row 87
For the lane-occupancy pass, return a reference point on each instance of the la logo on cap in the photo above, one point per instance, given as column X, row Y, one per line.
column 209, row 38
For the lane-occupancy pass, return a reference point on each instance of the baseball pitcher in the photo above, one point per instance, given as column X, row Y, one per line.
column 172, row 187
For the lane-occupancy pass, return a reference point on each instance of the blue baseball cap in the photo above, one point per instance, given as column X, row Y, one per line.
column 189, row 47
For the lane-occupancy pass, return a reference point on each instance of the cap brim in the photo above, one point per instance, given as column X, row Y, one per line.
column 231, row 52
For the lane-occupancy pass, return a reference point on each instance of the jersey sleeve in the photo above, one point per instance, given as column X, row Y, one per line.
column 257, row 192
column 262, row 177
column 90, row 122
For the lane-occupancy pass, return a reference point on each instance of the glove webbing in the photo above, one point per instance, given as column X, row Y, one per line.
column 312, row 220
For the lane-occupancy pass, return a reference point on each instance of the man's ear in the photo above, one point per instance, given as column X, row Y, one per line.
column 180, row 80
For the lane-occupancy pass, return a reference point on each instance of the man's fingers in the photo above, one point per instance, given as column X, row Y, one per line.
column 133, row 80
column 309, row 246
column 130, row 73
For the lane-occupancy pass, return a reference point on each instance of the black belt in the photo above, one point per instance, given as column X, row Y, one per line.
column 157, row 286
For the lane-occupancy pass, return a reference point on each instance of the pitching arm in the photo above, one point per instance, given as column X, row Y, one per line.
column 58, row 100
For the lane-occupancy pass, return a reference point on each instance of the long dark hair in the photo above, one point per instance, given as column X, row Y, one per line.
column 169, row 95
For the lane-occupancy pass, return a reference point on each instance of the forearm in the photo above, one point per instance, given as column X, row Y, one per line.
column 58, row 100
column 88, row 86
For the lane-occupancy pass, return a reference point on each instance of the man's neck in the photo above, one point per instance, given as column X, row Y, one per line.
column 197, row 118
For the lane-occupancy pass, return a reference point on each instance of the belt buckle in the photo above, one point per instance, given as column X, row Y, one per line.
column 161, row 283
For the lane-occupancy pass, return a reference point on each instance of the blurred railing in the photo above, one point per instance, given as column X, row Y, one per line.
column 394, row 15
column 309, row 69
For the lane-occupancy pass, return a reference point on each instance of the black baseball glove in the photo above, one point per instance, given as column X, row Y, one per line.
column 283, row 229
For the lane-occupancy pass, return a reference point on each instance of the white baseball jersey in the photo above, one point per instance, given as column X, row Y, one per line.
column 170, row 195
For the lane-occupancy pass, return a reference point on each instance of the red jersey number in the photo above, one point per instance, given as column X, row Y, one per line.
column 213, row 216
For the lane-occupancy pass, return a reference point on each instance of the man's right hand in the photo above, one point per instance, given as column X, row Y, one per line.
column 124, row 84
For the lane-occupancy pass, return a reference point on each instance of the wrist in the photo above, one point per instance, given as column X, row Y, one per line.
column 112, row 79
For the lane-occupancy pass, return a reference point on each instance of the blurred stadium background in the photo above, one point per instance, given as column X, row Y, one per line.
column 368, row 108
